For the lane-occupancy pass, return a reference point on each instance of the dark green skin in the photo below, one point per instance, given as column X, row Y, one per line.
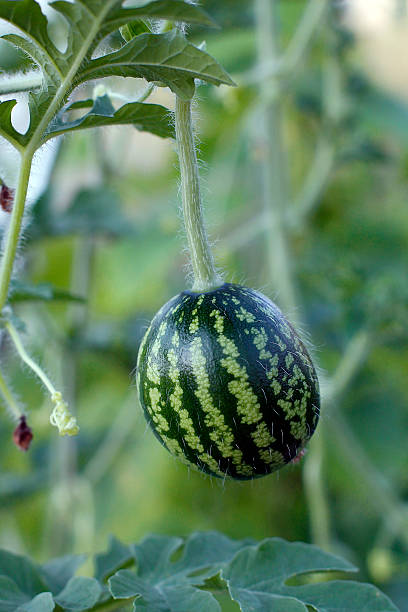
column 233, row 392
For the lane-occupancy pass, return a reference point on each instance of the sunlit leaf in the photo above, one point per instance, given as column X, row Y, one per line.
column 168, row 58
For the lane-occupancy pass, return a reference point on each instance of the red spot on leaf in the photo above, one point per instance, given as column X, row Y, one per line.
column 6, row 198
column 22, row 435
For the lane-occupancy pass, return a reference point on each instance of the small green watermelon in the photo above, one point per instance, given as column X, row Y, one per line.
column 226, row 383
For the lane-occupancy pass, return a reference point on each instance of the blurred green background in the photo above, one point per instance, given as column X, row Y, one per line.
column 305, row 177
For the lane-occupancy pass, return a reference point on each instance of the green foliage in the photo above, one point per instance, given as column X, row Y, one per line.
column 167, row 58
column 173, row 575
column 145, row 117
column 27, row 292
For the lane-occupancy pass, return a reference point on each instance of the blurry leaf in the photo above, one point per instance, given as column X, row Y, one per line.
column 80, row 593
column 14, row 487
column 165, row 585
column 115, row 557
column 58, row 572
column 23, row 572
column 41, row 603
column 23, row 292
column 10, row 595
column 159, row 57
column 366, row 151
column 144, row 117
column 377, row 111
column 93, row 211
column 257, row 579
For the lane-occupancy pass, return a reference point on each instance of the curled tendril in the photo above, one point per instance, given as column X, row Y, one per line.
column 62, row 418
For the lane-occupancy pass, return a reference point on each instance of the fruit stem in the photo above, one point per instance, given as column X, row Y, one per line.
column 60, row 417
column 206, row 276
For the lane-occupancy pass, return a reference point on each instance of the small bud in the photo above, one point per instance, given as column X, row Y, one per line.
column 62, row 418
column 22, row 435
column 6, row 198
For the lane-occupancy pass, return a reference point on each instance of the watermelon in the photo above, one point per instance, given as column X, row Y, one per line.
column 226, row 384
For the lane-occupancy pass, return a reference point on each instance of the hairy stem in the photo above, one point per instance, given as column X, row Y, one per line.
column 13, row 234
column 21, row 82
column 206, row 276
column 27, row 359
column 12, row 404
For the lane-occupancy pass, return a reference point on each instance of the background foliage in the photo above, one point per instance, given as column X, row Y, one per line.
column 108, row 226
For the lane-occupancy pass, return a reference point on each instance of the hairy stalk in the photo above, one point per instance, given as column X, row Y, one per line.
column 60, row 417
column 206, row 276
column 14, row 229
column 12, row 404
column 21, row 82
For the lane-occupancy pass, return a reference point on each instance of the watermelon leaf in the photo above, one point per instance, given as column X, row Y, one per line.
column 152, row 118
column 167, row 58
column 80, row 593
column 164, row 585
column 116, row 556
column 257, row 578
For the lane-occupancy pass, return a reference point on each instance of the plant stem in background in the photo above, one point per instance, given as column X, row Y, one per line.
column 269, row 144
column 13, row 233
column 275, row 202
column 206, row 276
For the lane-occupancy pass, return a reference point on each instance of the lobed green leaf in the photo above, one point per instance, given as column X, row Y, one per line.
column 164, row 585
column 23, row 572
column 57, row 572
column 80, row 593
column 41, row 603
column 168, row 58
column 116, row 556
column 11, row 597
column 152, row 118
column 165, row 58
column 257, row 579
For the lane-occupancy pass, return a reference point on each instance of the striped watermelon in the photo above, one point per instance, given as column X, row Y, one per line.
column 226, row 384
